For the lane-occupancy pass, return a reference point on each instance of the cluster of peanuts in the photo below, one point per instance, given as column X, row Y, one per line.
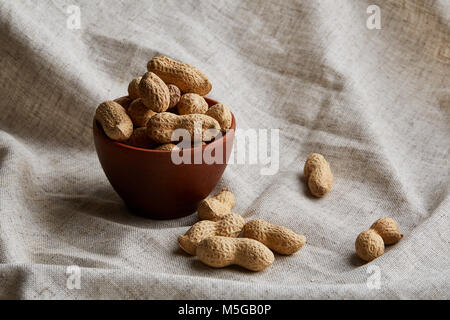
column 215, row 239
column 167, row 97
column 215, row 242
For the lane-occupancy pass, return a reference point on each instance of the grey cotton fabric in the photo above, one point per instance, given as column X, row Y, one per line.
column 374, row 102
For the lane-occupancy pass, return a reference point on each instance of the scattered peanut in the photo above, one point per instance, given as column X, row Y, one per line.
column 114, row 120
column 220, row 252
column 278, row 238
column 184, row 76
column 387, row 228
column 161, row 126
column 167, row 147
column 216, row 207
column 192, row 103
column 124, row 102
column 370, row 243
column 229, row 226
column 175, row 95
column 318, row 173
column 133, row 88
column 140, row 139
column 222, row 114
column 154, row 92
column 140, row 113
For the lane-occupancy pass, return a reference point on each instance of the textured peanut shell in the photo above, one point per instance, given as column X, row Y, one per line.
column 161, row 126
column 124, row 102
column 133, row 88
column 191, row 103
column 369, row 245
column 318, row 174
column 217, row 206
column 229, row 226
column 154, row 92
column 167, row 147
column 280, row 239
column 387, row 228
column 184, row 76
column 175, row 95
column 222, row 114
column 219, row 252
column 140, row 113
column 140, row 139
column 114, row 120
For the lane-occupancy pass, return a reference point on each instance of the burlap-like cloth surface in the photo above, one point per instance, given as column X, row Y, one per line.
column 375, row 102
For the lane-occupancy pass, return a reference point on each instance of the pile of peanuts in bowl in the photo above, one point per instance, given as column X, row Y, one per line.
column 169, row 96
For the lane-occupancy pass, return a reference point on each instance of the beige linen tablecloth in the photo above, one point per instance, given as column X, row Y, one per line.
column 375, row 102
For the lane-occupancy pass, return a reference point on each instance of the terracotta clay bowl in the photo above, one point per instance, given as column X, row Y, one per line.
column 152, row 185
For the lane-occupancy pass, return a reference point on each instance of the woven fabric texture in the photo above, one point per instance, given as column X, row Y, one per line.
column 374, row 102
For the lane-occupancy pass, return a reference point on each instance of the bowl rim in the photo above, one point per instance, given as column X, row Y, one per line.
column 123, row 145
